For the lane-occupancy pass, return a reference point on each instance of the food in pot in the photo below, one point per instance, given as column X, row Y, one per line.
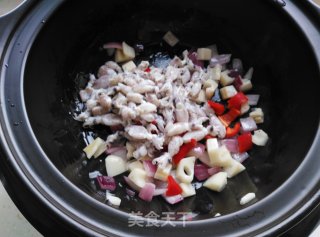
column 170, row 125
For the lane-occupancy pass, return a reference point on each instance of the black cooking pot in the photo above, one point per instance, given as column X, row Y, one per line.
column 46, row 44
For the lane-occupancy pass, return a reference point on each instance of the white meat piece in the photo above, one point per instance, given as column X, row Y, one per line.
column 146, row 108
column 105, row 101
column 158, row 142
column 177, row 128
column 174, row 145
column 111, row 120
column 140, row 152
column 143, row 65
column 138, row 132
column 127, row 113
column 124, row 89
column 181, row 113
column 197, row 135
column 172, row 73
column 113, row 65
column 162, row 160
column 135, row 97
column 218, row 129
column 119, row 100
column 148, row 117
column 196, row 88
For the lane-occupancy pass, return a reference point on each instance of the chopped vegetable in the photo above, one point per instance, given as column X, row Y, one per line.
column 173, row 199
column 245, row 142
column 204, row 54
column 225, row 79
column 234, row 168
column 170, row 39
column 260, row 138
column 220, row 157
column 241, row 157
column 184, row 150
column 233, row 131
column 229, row 117
column 147, row 192
column 138, row 177
column 248, row 124
column 253, row 99
column 217, row 107
column 220, row 59
column 185, row 170
column 237, row 101
column 106, row 183
column 231, row 144
column 216, row 182
column 227, row 92
column 95, row 148
column 115, row 165
column 162, row 173
column 129, row 66
column 149, row 167
column 187, row 190
column 201, row 172
column 258, row 115
column 173, row 187
column 128, row 51
column 214, row 170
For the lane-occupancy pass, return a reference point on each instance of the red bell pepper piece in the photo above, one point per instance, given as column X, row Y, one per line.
column 184, row 150
column 227, row 118
column 237, row 100
column 217, row 107
column 147, row 69
column 245, row 142
column 231, row 132
column 173, row 187
column 209, row 137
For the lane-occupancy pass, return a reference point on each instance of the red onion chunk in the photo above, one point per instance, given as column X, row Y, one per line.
column 159, row 191
column 112, row 45
column 149, row 168
column 193, row 57
column 201, row 172
column 114, row 149
column 220, row 59
column 248, row 125
column 173, row 199
column 106, row 183
column 237, row 83
column 253, row 99
column 147, row 192
column 241, row 157
column 130, row 192
column 214, row 170
column 231, row 144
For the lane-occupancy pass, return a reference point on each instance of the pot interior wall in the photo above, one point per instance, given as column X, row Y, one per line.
column 259, row 33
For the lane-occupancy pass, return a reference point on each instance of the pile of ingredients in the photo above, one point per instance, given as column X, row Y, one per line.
column 172, row 125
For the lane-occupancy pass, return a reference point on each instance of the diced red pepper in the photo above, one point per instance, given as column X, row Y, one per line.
column 147, row 69
column 154, row 122
column 184, row 150
column 231, row 132
column 245, row 142
column 217, row 107
column 209, row 137
column 229, row 117
column 237, row 100
column 173, row 187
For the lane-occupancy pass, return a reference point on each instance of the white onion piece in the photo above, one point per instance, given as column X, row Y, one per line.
column 249, row 74
column 199, row 151
column 149, row 168
column 121, row 153
column 173, row 199
column 159, row 191
column 147, row 192
column 231, row 144
column 248, row 125
column 220, row 59
column 240, row 157
column 253, row 99
column 131, row 184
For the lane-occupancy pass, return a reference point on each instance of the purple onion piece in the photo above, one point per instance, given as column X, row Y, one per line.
column 240, row 157
column 130, row 192
column 106, row 183
column 253, row 99
column 248, row 124
column 220, row 59
column 201, row 172
column 231, row 145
